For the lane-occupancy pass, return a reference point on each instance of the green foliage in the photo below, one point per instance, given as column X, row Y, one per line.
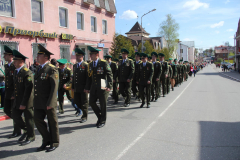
column 165, row 51
column 149, row 48
column 119, row 42
column 231, row 54
column 169, row 29
column 220, row 60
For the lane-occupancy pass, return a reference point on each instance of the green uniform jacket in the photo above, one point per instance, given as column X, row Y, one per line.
column 157, row 71
column 170, row 73
column 125, row 70
column 165, row 69
column 23, row 91
column 145, row 74
column 188, row 68
column 136, row 67
column 9, row 87
column 114, row 68
column 174, row 69
column 64, row 77
column 184, row 69
column 46, row 87
column 80, row 76
column 95, row 74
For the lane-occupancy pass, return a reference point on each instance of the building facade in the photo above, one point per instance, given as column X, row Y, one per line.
column 59, row 25
column 186, row 51
column 223, row 52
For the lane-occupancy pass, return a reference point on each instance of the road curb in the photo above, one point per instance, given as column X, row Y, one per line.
column 230, row 77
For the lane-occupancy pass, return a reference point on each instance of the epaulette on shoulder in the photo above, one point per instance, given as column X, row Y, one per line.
column 130, row 60
column 140, row 62
column 51, row 65
column 69, row 69
column 26, row 69
column 120, row 59
column 103, row 60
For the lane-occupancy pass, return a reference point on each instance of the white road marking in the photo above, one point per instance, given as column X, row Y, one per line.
column 149, row 127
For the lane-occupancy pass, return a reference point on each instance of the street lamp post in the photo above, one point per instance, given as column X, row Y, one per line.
column 142, row 27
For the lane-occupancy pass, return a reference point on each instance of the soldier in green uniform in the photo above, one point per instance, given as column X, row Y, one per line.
column 45, row 100
column 99, row 84
column 9, row 89
column 164, row 75
column 79, row 83
column 23, row 98
column 156, row 77
column 184, row 70
column 177, row 73
column 144, row 79
column 174, row 73
column 125, row 75
column 114, row 68
column 187, row 70
column 64, row 80
column 134, row 83
column 181, row 72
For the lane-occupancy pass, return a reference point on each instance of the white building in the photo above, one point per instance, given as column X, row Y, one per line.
column 186, row 50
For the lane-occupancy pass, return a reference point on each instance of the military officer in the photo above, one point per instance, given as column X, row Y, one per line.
column 144, row 79
column 177, row 73
column 80, row 76
column 134, row 83
column 45, row 100
column 23, row 98
column 187, row 70
column 181, row 72
column 114, row 68
column 125, row 75
column 9, row 89
column 169, row 77
column 184, row 70
column 164, row 75
column 64, row 80
column 100, row 80
column 174, row 73
column 156, row 77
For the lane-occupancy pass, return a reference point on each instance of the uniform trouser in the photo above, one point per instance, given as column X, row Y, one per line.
column 2, row 90
column 115, row 91
column 51, row 135
column 125, row 90
column 61, row 98
column 27, row 125
column 8, row 111
column 81, row 100
column 176, row 80
column 135, row 88
column 147, row 88
column 186, row 76
column 163, row 85
column 101, row 112
column 168, row 84
column 155, row 87
column 172, row 82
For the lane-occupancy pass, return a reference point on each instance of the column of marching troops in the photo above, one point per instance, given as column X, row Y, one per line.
column 29, row 98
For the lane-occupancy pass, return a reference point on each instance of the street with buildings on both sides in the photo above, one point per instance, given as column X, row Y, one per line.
column 198, row 120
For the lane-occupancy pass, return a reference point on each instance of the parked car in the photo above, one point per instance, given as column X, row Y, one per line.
column 231, row 66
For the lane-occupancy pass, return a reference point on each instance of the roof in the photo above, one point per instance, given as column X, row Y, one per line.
column 137, row 29
column 109, row 5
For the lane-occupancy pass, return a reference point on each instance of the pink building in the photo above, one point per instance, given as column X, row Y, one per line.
column 59, row 25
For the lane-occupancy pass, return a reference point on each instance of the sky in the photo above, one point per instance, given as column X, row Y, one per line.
column 209, row 23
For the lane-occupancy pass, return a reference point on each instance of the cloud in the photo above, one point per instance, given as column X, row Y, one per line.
column 217, row 24
column 195, row 4
column 230, row 30
column 217, row 32
column 227, row 1
column 186, row 39
column 129, row 14
column 148, row 24
column 231, row 37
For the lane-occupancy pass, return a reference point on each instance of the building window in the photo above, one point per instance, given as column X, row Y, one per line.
column 37, row 11
column 80, row 21
column 104, row 26
column 12, row 45
column 181, row 50
column 65, row 52
column 36, row 50
column 63, row 17
column 223, row 55
column 7, row 8
column 93, row 24
column 105, row 51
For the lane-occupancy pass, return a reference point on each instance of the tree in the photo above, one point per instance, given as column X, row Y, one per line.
column 196, row 52
column 148, row 48
column 119, row 42
column 165, row 51
column 219, row 60
column 169, row 29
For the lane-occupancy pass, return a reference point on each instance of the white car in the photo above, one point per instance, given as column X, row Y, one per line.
column 231, row 66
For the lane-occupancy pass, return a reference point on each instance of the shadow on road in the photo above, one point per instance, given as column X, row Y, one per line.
column 219, row 140
column 216, row 74
column 11, row 153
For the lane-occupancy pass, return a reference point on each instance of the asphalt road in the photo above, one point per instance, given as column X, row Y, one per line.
column 199, row 120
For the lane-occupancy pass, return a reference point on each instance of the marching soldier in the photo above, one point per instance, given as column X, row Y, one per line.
column 79, row 83
column 64, row 80
column 187, row 70
column 99, row 84
column 177, row 72
column 9, row 89
column 23, row 99
column 164, row 75
column 156, row 77
column 125, row 75
column 169, row 77
column 144, row 79
column 45, row 100
column 134, row 83
column 114, row 68
column 181, row 72
column 174, row 73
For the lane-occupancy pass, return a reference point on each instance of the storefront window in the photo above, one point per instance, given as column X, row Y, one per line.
column 105, row 51
column 36, row 10
column 63, row 17
column 6, row 8
column 65, row 52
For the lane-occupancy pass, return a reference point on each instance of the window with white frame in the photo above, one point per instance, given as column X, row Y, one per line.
column 80, row 21
column 105, row 51
column 93, row 24
column 65, row 52
column 36, row 50
column 7, row 8
column 104, row 26
column 37, row 10
column 63, row 17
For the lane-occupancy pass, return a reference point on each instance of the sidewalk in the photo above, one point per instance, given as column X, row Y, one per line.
column 231, row 74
